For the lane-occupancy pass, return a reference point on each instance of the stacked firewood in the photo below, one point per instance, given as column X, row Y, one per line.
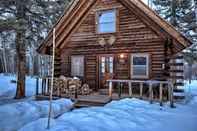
column 69, row 87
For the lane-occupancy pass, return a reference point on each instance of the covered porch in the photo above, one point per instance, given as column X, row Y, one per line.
column 83, row 96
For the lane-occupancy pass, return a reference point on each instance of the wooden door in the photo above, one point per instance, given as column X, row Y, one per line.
column 106, row 70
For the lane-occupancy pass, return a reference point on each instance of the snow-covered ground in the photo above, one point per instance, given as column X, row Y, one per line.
column 14, row 116
column 127, row 115
column 8, row 89
column 191, row 88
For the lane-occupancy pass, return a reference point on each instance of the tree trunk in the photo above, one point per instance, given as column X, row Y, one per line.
column 173, row 11
column 20, row 50
column 190, row 73
column 4, row 57
column 196, row 12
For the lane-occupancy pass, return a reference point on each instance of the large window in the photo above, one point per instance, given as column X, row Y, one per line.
column 139, row 65
column 106, row 21
column 77, row 66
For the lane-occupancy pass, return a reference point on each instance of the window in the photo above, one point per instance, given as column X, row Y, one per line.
column 140, row 65
column 106, row 22
column 77, row 66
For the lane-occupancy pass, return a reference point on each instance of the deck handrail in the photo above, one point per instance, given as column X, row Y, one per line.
column 142, row 82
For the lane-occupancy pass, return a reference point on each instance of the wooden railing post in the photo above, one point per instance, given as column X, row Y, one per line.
column 37, row 85
column 120, row 90
column 170, row 90
column 141, row 90
column 161, row 94
column 110, row 89
column 48, row 81
column 151, row 93
column 43, row 85
column 130, row 89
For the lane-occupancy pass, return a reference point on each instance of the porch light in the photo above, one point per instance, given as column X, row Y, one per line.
column 121, row 56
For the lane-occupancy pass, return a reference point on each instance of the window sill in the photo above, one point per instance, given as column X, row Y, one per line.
column 140, row 77
column 105, row 33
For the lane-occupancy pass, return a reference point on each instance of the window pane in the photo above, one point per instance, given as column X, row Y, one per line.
column 77, row 65
column 139, row 70
column 107, row 16
column 107, row 27
column 106, row 21
column 139, row 60
column 140, row 65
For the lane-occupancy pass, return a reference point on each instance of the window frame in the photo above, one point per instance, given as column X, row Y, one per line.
column 77, row 56
column 97, row 21
column 147, row 56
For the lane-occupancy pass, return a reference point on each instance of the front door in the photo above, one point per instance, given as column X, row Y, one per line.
column 106, row 69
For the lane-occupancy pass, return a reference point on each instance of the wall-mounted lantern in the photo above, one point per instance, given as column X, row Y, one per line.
column 121, row 58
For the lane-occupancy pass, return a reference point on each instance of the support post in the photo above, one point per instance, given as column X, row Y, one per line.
column 151, row 93
column 43, row 86
column 161, row 94
column 141, row 90
column 120, row 90
column 171, row 98
column 37, row 85
column 130, row 89
column 110, row 90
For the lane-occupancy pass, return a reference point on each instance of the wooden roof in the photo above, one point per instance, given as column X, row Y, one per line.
column 79, row 9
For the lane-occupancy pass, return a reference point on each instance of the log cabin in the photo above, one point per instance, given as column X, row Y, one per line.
column 98, row 40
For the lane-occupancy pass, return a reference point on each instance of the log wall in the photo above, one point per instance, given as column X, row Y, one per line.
column 132, row 36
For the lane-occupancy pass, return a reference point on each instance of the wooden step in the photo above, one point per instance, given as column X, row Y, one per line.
column 91, row 100
column 45, row 97
column 104, row 91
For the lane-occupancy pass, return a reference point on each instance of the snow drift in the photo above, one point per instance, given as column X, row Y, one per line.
column 14, row 116
column 124, row 115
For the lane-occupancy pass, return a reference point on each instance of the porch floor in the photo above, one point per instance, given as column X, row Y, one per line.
column 97, row 99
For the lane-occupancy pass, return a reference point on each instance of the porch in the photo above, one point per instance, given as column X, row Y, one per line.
column 151, row 90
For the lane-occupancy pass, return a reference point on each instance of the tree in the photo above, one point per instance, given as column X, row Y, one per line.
column 190, row 57
column 180, row 13
column 30, row 20
column 20, row 48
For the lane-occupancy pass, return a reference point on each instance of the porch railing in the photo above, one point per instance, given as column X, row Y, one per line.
column 150, row 83
column 62, row 88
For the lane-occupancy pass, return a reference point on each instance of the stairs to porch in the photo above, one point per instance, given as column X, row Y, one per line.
column 92, row 100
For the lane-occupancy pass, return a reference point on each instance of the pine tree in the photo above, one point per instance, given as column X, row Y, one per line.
column 183, row 15
column 179, row 13
column 30, row 20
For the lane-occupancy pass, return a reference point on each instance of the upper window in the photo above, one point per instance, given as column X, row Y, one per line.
column 106, row 21
column 140, row 65
column 77, row 66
